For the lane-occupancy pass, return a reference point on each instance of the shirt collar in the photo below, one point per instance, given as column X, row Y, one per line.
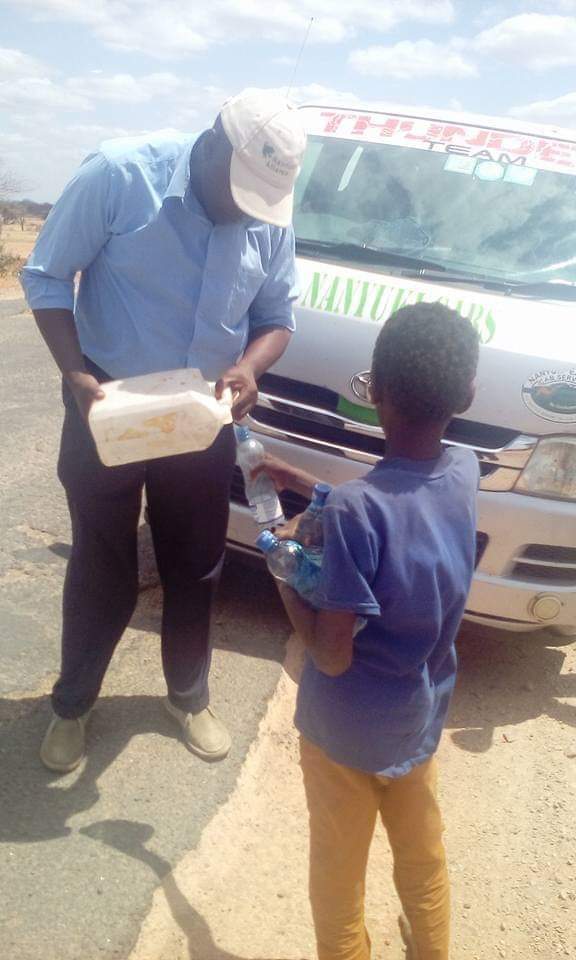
column 427, row 469
column 181, row 176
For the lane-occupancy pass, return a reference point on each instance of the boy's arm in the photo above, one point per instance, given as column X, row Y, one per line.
column 327, row 634
column 287, row 477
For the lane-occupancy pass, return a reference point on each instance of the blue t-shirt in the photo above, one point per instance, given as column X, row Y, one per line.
column 399, row 548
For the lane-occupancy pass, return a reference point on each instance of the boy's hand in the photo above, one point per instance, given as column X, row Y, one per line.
column 285, row 476
column 290, row 530
column 327, row 634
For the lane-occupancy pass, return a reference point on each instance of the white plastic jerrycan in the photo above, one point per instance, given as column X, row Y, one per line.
column 157, row 415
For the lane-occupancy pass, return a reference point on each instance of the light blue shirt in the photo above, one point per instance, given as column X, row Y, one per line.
column 161, row 286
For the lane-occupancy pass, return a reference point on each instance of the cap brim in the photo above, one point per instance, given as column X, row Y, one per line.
column 257, row 198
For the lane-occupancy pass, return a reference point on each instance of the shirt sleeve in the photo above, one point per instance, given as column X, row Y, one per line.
column 77, row 228
column 272, row 305
column 350, row 561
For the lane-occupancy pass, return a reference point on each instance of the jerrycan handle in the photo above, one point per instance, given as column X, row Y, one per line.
column 226, row 401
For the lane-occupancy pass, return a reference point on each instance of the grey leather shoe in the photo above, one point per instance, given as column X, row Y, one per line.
column 64, row 745
column 204, row 734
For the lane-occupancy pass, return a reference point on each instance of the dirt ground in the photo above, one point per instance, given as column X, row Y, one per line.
column 18, row 243
column 508, row 790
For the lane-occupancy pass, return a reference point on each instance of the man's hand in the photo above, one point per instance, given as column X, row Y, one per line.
column 85, row 389
column 265, row 347
column 59, row 331
column 241, row 381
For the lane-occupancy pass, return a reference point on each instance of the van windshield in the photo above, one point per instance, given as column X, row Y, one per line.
column 489, row 219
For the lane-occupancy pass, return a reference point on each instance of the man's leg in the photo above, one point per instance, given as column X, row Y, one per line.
column 413, row 822
column 101, row 583
column 343, row 806
column 188, row 505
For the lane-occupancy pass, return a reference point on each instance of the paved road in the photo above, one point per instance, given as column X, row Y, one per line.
column 76, row 875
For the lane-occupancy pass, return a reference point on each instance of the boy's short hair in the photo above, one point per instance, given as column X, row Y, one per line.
column 424, row 362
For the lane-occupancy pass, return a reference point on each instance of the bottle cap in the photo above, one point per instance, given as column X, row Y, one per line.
column 266, row 540
column 321, row 491
column 242, row 433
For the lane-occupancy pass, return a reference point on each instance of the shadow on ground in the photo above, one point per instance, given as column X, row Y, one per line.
column 504, row 679
column 131, row 839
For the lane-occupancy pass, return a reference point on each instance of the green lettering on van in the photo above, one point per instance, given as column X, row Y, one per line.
column 482, row 320
column 375, row 312
column 352, row 285
column 330, row 299
column 400, row 300
column 490, row 326
column 365, row 299
column 311, row 297
column 359, row 312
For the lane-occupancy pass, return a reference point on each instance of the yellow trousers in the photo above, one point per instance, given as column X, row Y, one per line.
column 343, row 804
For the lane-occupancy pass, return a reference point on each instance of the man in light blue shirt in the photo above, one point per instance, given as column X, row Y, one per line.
column 186, row 259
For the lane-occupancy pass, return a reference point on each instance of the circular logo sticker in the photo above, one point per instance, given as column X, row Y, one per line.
column 551, row 395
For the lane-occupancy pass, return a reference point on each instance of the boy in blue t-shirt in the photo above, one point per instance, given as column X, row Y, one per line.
column 399, row 549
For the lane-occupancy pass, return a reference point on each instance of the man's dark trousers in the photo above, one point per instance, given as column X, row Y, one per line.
column 188, row 505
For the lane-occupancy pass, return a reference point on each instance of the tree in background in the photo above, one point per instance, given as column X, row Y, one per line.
column 8, row 183
column 8, row 187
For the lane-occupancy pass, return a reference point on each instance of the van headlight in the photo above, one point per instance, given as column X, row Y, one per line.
column 551, row 470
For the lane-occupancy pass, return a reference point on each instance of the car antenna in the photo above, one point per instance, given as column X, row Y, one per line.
column 299, row 57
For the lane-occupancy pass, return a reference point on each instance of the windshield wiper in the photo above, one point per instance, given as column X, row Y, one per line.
column 366, row 254
column 434, row 272
column 540, row 290
column 543, row 290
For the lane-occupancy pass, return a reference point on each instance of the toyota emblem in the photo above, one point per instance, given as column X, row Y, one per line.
column 360, row 386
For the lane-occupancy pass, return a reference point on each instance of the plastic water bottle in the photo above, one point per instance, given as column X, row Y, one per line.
column 260, row 492
column 310, row 532
column 287, row 560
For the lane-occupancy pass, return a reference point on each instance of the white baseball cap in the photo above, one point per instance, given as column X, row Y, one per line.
column 268, row 141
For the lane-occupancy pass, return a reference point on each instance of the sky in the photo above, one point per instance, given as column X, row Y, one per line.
column 76, row 72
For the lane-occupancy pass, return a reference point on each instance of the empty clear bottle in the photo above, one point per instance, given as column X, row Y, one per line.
column 260, row 492
column 310, row 532
column 287, row 560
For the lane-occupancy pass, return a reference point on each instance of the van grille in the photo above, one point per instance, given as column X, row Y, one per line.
column 466, row 432
column 309, row 416
column 543, row 563
column 330, row 431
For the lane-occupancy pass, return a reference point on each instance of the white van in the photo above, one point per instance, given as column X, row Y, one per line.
column 478, row 213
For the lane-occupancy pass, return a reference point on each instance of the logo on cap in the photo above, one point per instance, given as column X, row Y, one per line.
column 273, row 162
